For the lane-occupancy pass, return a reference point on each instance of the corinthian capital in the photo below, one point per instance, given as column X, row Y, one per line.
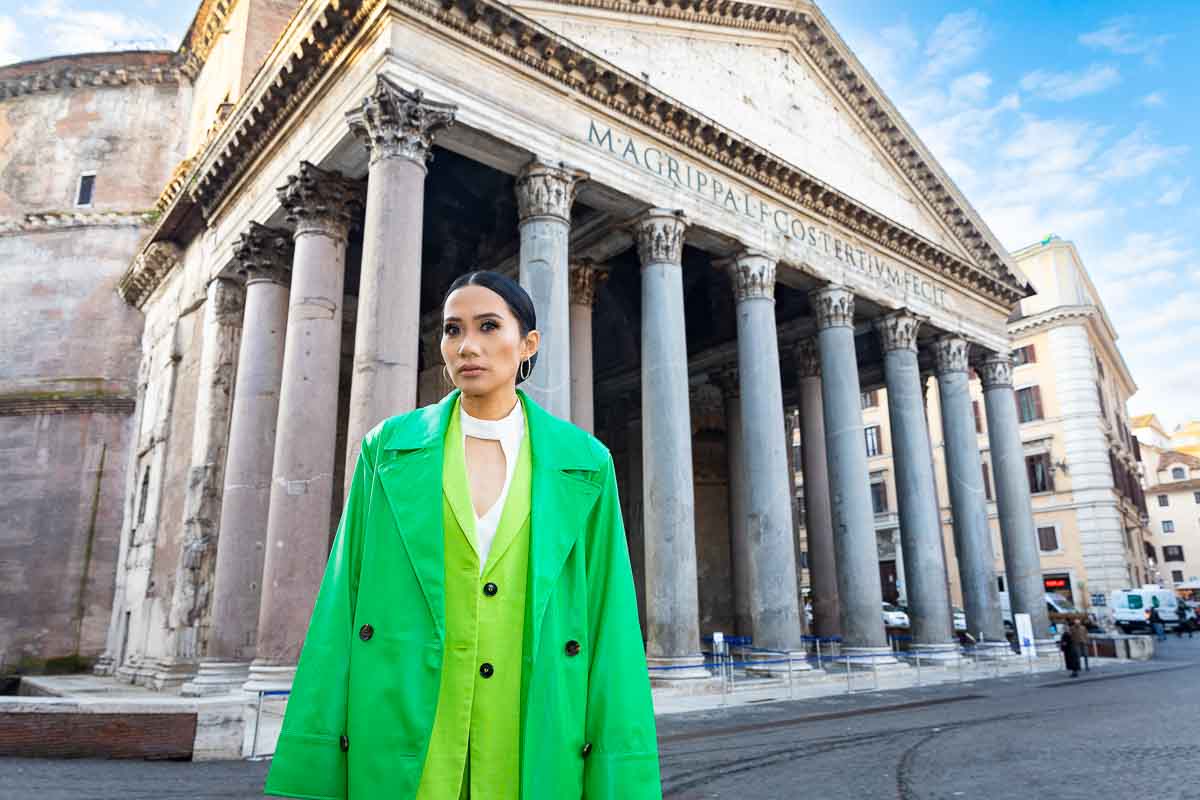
column 586, row 280
column 544, row 190
column 898, row 331
column 808, row 358
column 396, row 123
column 996, row 370
column 834, row 307
column 753, row 276
column 319, row 201
column 264, row 254
column 659, row 234
column 951, row 354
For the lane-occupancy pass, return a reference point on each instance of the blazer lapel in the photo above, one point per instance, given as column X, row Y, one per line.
column 562, row 498
column 410, row 474
column 516, row 508
column 454, row 480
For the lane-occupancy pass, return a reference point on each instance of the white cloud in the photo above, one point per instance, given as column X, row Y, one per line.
column 1173, row 190
column 1064, row 86
column 1155, row 99
column 1116, row 36
column 1135, row 155
column 955, row 41
column 1142, row 252
column 10, row 41
column 65, row 29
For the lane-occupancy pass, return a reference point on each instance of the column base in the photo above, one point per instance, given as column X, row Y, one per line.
column 944, row 653
column 994, row 650
column 791, row 662
column 677, row 671
column 217, row 677
column 105, row 665
column 262, row 715
column 866, row 659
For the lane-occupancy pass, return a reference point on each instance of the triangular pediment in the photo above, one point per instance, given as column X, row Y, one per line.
column 779, row 76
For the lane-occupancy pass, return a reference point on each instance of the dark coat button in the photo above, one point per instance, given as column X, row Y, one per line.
column 490, row 589
column 587, row 749
column 344, row 742
column 572, row 648
column 486, row 670
column 366, row 632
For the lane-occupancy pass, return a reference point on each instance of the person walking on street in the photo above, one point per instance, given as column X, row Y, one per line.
column 1070, row 654
column 1156, row 624
column 1079, row 640
column 1187, row 620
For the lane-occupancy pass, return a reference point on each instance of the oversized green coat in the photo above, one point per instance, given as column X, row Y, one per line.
column 362, row 707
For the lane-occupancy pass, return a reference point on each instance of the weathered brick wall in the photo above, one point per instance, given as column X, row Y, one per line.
column 71, row 346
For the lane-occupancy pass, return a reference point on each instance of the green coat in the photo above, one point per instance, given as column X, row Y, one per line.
column 363, row 702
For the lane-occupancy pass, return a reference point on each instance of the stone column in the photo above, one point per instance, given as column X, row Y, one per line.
column 672, row 604
column 1018, row 536
column 585, row 282
column 774, row 606
column 263, row 256
column 964, row 475
column 545, row 194
column 398, row 128
column 818, row 519
column 739, row 544
column 924, row 569
column 221, row 332
column 322, row 205
column 857, row 555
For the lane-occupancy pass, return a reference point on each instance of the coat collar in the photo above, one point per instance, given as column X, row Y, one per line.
column 566, row 480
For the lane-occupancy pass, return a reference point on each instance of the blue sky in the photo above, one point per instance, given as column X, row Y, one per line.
column 1074, row 118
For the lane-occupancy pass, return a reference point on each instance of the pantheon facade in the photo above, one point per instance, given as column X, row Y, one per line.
column 721, row 218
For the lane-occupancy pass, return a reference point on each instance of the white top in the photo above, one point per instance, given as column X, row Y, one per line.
column 509, row 431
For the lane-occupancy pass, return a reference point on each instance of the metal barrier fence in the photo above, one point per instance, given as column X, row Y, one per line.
column 258, row 710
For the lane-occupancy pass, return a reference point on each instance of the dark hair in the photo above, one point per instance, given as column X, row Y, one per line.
column 515, row 297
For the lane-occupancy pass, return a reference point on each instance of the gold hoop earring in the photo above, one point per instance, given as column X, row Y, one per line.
column 446, row 374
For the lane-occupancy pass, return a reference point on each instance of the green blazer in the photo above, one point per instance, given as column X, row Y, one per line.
column 361, row 713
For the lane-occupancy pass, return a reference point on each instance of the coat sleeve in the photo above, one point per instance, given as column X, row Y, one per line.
column 310, row 758
column 623, row 758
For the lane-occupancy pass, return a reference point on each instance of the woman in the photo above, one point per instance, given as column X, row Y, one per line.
column 476, row 631
column 1070, row 654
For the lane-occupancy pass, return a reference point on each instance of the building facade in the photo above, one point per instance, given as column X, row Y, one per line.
column 1171, row 477
column 719, row 216
column 1078, row 457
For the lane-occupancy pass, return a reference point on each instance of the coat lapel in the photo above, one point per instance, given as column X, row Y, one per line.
column 454, row 480
column 563, row 494
column 410, row 475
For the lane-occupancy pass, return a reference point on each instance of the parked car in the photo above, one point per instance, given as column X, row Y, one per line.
column 894, row 617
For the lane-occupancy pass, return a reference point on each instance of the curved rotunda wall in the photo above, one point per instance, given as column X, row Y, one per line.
column 71, row 345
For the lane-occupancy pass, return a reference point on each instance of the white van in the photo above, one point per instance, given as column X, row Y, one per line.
column 1056, row 605
column 1131, row 607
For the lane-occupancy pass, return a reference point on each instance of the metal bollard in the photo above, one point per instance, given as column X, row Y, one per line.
column 846, row 659
column 791, row 692
column 918, row 652
column 257, row 717
column 818, row 652
column 875, row 670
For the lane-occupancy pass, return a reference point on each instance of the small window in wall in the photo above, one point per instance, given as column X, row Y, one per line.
column 1163, row 501
column 1047, row 539
column 1040, row 477
column 1172, row 552
column 874, row 441
column 1168, row 526
column 1177, row 575
column 803, row 559
column 978, row 416
column 1128, row 539
column 987, row 481
column 1029, row 404
column 1178, row 474
column 879, row 498
column 87, row 188
column 143, row 492
column 870, row 399
column 1024, row 355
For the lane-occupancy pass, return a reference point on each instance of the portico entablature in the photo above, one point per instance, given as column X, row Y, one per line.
column 514, row 81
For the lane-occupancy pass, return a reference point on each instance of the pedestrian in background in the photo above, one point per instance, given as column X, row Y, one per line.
column 1079, row 639
column 1070, row 654
column 1156, row 624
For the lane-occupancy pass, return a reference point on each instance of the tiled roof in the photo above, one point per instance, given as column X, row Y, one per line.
column 1173, row 457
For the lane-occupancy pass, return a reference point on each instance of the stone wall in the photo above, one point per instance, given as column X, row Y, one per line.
column 68, row 379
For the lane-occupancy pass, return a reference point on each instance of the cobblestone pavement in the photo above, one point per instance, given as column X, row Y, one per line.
column 1125, row 733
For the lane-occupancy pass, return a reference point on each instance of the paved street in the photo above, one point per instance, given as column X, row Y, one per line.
column 1126, row 732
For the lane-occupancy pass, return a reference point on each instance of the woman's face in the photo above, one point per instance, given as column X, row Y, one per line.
column 482, row 343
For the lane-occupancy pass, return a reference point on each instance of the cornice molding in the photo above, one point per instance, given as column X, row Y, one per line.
column 147, row 271
column 1059, row 315
column 207, row 26
column 58, row 77
column 493, row 25
column 65, row 220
